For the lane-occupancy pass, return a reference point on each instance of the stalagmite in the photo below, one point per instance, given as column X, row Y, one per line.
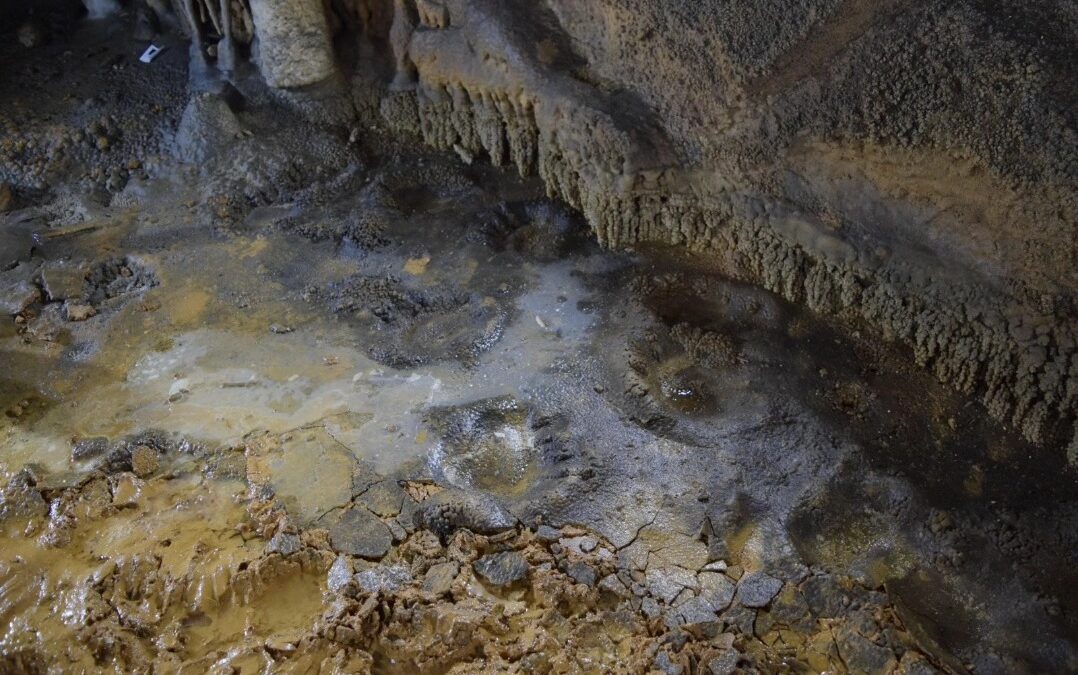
column 198, row 66
column 226, row 48
column 400, row 35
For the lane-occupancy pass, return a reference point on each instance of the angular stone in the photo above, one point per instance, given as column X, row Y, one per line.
column 650, row 607
column 740, row 619
column 581, row 573
column 864, row 656
column 694, row 611
column 63, row 280
column 17, row 289
column 580, row 545
column 126, row 490
column 666, row 582
column 340, row 573
column 21, row 501
column 613, row 584
column 547, row 533
column 284, row 543
column 716, row 589
column 359, row 532
column 665, row 664
column 383, row 498
column 502, row 569
column 725, row 663
column 383, row 578
column 439, row 578
column 826, row 598
column 756, row 589
column 88, row 448
column 77, row 311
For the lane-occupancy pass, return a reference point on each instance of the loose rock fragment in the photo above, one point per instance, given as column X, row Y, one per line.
column 285, row 543
column 78, row 311
column 340, row 573
column 383, row 578
column 144, row 461
column 440, row 577
column 359, row 532
column 502, row 569
column 756, row 589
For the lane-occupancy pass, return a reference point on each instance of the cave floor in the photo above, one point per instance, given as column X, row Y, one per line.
column 405, row 415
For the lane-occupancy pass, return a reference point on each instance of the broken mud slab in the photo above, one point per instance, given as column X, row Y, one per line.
column 185, row 571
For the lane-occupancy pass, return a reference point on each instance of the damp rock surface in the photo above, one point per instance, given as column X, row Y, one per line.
column 360, row 533
column 502, row 569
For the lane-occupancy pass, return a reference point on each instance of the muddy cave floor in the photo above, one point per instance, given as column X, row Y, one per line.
column 406, row 416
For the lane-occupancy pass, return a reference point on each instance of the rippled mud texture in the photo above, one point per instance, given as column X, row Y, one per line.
column 284, row 391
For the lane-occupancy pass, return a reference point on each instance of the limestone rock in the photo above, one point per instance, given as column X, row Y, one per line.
column 340, row 573
column 383, row 578
column 63, row 280
column 285, row 543
column 17, row 289
column 440, row 577
column 79, row 311
column 144, row 461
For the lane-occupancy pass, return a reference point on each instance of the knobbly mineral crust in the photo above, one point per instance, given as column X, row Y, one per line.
column 424, row 336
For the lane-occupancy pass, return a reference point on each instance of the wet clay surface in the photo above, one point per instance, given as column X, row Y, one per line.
column 401, row 414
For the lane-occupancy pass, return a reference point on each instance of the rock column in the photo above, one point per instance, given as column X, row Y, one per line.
column 295, row 48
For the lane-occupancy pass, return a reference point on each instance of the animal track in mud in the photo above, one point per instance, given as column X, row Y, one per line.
column 541, row 230
column 680, row 364
column 487, row 446
column 361, row 222
column 116, row 277
column 668, row 380
column 409, row 326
